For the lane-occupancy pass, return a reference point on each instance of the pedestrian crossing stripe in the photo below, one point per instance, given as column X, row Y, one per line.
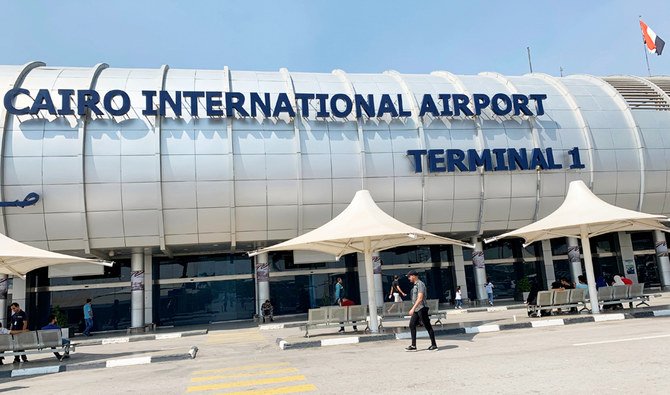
column 242, row 367
column 241, row 375
column 278, row 391
column 245, row 383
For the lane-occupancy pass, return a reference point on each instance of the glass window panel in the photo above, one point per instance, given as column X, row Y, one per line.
column 559, row 246
column 642, row 241
column 120, row 272
column 647, row 270
column 203, row 266
column 406, row 255
column 204, row 302
column 111, row 308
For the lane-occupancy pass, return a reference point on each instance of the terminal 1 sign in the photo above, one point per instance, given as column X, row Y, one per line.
column 237, row 104
column 497, row 159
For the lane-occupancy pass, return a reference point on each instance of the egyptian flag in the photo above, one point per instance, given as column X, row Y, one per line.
column 654, row 43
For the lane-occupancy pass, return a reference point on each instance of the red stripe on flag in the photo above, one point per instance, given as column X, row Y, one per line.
column 647, row 38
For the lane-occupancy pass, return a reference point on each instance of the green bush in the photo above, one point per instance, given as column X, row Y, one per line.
column 61, row 316
column 523, row 285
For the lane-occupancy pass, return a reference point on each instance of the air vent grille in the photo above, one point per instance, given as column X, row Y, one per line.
column 637, row 94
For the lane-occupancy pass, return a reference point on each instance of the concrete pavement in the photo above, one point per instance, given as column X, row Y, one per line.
column 613, row 357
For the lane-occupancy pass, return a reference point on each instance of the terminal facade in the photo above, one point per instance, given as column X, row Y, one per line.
column 176, row 174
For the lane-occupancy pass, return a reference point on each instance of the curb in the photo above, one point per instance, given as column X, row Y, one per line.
column 285, row 345
column 139, row 338
column 112, row 363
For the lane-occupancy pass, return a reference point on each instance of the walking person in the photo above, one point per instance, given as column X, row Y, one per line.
column 53, row 324
column 339, row 296
column 419, row 312
column 396, row 291
column 88, row 317
column 339, row 291
column 459, row 298
column 489, row 290
column 18, row 322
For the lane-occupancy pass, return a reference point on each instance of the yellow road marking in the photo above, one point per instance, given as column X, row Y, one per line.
column 277, row 391
column 245, row 383
column 239, row 375
column 243, row 367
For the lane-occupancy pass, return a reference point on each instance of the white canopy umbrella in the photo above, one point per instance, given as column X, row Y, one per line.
column 18, row 259
column 584, row 215
column 362, row 227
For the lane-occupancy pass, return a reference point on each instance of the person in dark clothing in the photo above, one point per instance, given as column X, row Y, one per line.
column 267, row 310
column 18, row 322
column 419, row 311
column 54, row 325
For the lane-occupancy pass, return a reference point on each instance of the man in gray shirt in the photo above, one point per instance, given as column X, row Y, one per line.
column 419, row 311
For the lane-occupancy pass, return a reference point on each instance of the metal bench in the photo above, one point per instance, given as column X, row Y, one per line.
column 337, row 316
column 434, row 311
column 34, row 342
column 557, row 299
column 400, row 310
column 620, row 294
column 636, row 293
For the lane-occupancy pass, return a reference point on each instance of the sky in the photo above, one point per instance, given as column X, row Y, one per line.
column 463, row 37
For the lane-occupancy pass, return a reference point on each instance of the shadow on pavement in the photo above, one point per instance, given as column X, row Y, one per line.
column 14, row 388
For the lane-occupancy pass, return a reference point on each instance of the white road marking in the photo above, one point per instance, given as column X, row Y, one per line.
column 338, row 341
column 622, row 340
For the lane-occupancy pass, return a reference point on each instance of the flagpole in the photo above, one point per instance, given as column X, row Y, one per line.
column 530, row 65
column 644, row 48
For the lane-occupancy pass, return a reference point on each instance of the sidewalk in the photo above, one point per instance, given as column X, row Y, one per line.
column 468, row 321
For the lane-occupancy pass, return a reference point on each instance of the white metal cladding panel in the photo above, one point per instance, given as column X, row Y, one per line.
column 52, row 143
column 122, row 154
column 314, row 142
column 653, row 128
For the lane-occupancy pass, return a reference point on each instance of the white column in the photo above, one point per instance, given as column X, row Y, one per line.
column 4, row 283
column 662, row 259
column 372, row 302
column 262, row 280
column 459, row 270
column 548, row 262
column 590, row 276
column 137, row 288
column 627, row 256
column 362, row 279
column 19, row 293
column 148, row 286
column 480, row 269
column 574, row 259
column 377, row 270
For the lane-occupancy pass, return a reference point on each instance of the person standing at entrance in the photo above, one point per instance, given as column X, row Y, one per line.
column 459, row 298
column 88, row 317
column 339, row 291
column 18, row 322
column 419, row 311
column 489, row 290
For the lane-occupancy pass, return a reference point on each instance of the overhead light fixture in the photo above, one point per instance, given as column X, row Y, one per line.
column 412, row 236
column 111, row 253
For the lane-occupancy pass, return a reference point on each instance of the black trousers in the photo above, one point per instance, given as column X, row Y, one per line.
column 421, row 315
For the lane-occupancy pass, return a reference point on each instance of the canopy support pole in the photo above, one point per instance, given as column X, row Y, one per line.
column 590, row 275
column 370, row 280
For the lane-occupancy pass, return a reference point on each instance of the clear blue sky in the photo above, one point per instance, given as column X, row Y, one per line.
column 465, row 37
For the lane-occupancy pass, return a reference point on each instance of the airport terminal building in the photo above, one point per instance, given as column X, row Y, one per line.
column 176, row 174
